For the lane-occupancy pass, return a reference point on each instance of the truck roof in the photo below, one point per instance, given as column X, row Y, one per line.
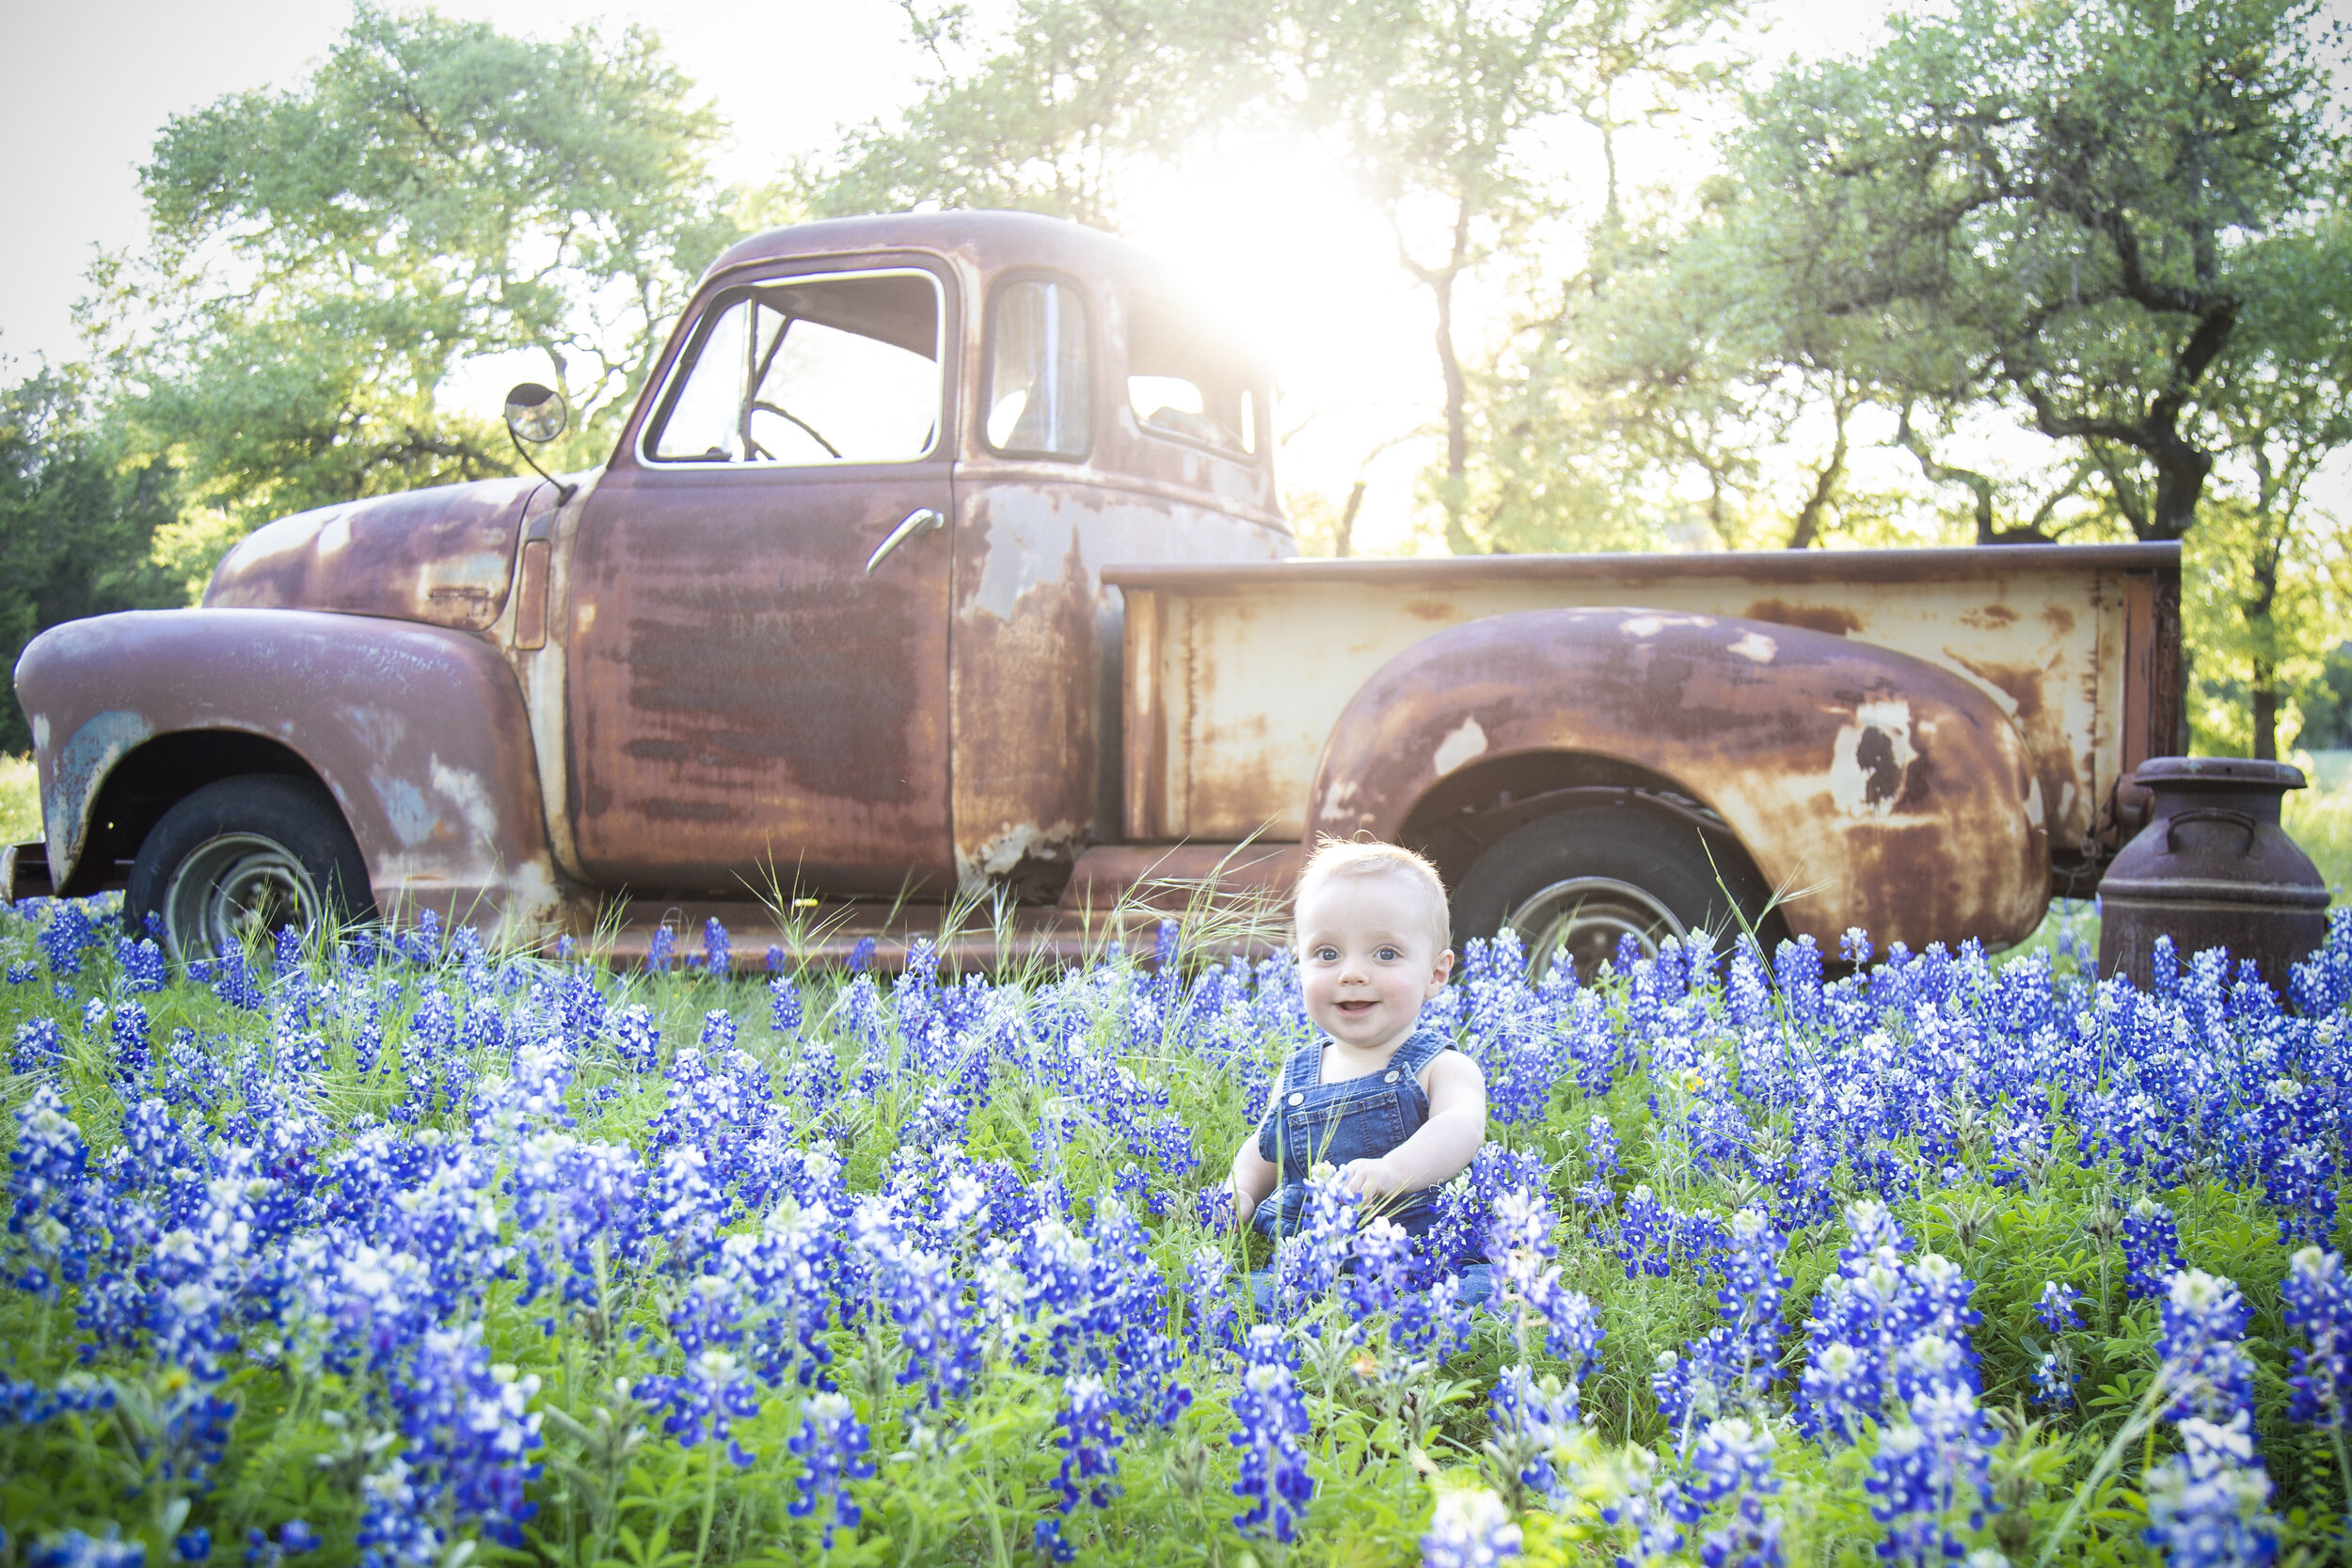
column 991, row 241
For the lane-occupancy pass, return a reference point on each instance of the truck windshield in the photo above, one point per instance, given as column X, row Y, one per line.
column 809, row 371
column 1181, row 381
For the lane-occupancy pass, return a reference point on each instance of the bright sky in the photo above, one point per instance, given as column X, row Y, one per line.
column 1273, row 240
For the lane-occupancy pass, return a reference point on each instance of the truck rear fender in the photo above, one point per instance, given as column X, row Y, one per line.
column 417, row 732
column 1888, row 793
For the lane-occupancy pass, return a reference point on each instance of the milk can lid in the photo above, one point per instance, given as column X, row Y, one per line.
column 2235, row 770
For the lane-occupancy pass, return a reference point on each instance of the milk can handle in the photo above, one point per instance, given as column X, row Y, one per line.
column 2212, row 814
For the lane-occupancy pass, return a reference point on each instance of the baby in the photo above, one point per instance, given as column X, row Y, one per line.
column 1391, row 1103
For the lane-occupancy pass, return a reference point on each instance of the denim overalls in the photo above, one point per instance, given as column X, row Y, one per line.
column 1360, row 1119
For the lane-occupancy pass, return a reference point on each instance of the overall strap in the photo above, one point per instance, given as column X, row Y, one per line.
column 1420, row 1049
column 1305, row 1067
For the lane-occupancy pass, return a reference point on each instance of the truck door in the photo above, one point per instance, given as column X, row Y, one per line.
column 752, row 680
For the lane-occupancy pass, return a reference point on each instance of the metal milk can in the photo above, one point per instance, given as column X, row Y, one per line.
column 2213, row 868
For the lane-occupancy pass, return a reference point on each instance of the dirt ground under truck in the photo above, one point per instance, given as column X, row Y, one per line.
column 939, row 567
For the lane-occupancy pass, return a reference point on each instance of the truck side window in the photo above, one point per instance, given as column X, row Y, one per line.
column 1182, row 382
column 1038, row 393
column 809, row 372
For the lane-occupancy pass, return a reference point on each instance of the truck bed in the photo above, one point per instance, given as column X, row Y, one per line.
column 1234, row 674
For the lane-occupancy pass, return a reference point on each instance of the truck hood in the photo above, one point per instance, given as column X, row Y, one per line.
column 443, row 556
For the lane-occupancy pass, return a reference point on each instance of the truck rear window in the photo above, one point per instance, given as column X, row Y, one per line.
column 809, row 372
column 1182, row 382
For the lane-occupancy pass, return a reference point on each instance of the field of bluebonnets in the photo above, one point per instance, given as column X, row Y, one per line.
column 396, row 1251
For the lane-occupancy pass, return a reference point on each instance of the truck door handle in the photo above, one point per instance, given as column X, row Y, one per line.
column 921, row 520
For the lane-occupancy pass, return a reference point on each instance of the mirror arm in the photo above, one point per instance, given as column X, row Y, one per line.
column 563, row 493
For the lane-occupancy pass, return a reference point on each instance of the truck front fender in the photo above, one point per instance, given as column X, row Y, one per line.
column 1892, row 794
column 419, row 732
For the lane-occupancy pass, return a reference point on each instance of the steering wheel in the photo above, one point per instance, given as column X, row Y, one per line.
column 759, row 406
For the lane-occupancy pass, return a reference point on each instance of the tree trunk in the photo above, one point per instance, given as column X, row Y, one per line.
column 2266, row 711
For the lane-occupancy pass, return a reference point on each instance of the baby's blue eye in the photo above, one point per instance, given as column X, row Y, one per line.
column 1390, row 954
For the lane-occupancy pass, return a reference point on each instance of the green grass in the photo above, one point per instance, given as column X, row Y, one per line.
column 2320, row 818
column 20, row 801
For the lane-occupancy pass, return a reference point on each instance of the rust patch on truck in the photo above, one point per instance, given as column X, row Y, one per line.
column 442, row 556
column 1895, row 791
column 1829, row 619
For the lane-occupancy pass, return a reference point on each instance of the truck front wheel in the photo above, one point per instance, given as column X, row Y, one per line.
column 1582, row 880
column 242, row 857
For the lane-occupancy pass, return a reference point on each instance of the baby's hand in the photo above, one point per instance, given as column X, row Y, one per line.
column 1373, row 1178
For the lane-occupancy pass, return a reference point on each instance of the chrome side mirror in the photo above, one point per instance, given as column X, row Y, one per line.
column 535, row 414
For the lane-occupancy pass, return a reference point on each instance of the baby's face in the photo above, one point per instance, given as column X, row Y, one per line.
column 1366, row 959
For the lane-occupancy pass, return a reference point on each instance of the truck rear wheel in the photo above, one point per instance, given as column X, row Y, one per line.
column 1583, row 879
column 242, row 857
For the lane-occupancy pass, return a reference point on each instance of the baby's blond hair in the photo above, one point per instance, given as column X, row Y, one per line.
column 1352, row 860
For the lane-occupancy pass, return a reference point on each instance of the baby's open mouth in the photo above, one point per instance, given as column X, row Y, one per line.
column 1358, row 1007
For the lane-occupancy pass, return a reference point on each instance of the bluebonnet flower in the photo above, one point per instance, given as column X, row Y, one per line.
column 1749, row 1299
column 2151, row 1248
column 714, row 1392
column 2208, row 1506
column 1528, row 1421
column 1646, row 1235
column 1087, row 1442
column 717, row 948
column 2056, row 1307
column 69, row 933
column 2319, row 1307
column 784, row 999
column 1211, row 1315
column 73, row 1549
column 1600, row 1148
column 2203, row 1322
column 29, row 1404
column 1925, row 1469
column 660, row 950
column 1470, row 1528
column 1273, row 1419
column 394, row 1528
column 141, row 963
column 830, row 1445
column 1734, row 1457
column 637, row 1039
column 193, row 1546
column 38, row 1048
column 1309, row 1261
column 24, row 972
column 861, row 955
column 468, row 1433
column 2053, row 1384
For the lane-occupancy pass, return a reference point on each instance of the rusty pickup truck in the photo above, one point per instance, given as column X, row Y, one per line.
column 940, row 560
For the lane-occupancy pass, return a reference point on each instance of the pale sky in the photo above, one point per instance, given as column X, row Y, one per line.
column 1276, row 243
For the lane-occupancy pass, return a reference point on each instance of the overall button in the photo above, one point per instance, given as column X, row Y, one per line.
column 1391, row 1076
column 1299, row 1099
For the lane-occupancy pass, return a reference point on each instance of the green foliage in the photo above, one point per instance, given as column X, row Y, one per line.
column 322, row 260
column 2082, row 213
column 1054, row 112
column 77, row 521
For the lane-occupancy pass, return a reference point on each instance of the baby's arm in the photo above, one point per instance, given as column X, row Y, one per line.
column 1252, row 1180
column 1445, row 1145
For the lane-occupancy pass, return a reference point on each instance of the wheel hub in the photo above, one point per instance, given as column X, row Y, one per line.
column 1585, row 916
column 232, row 888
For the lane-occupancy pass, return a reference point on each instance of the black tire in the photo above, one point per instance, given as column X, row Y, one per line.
column 245, row 856
column 1592, row 875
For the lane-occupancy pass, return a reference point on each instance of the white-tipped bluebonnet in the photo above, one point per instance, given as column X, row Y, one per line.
column 1929, row 1473
column 1209, row 1308
column 1089, row 1443
column 2319, row 1309
column 2208, row 1506
column 1528, row 1419
column 2151, row 1248
column 830, row 1445
column 73, row 1549
column 1470, row 1528
column 1272, row 1417
column 2203, row 1320
column 2056, row 1307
